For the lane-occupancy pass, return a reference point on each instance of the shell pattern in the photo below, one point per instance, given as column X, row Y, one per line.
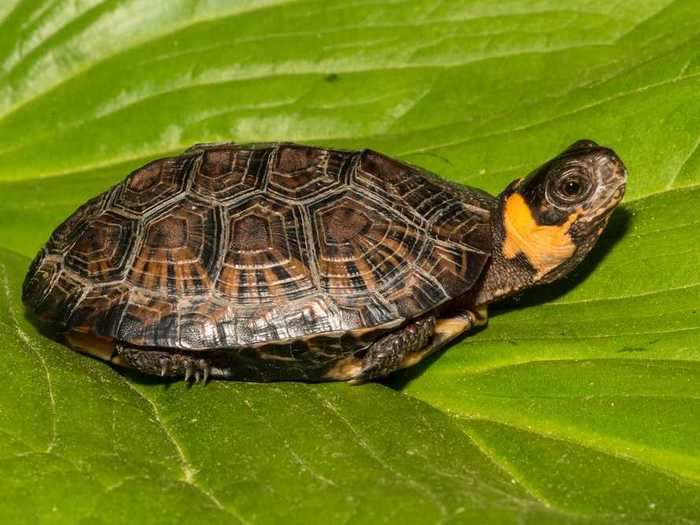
column 242, row 245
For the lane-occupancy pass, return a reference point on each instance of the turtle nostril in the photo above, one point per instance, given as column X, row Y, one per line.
column 611, row 163
column 617, row 177
column 619, row 170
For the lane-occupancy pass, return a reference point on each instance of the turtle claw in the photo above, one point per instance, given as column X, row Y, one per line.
column 204, row 366
column 164, row 366
column 198, row 370
column 188, row 371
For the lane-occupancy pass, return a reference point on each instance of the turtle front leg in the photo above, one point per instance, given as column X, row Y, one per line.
column 446, row 330
column 387, row 353
column 413, row 343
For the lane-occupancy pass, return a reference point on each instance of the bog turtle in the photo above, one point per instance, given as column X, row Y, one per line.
column 291, row 262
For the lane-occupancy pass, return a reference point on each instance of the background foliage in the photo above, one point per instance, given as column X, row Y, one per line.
column 578, row 404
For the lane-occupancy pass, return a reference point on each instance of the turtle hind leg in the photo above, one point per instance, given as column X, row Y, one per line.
column 164, row 364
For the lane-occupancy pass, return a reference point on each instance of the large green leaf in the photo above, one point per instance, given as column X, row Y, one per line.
column 579, row 403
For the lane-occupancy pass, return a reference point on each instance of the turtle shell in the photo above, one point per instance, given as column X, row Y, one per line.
column 242, row 245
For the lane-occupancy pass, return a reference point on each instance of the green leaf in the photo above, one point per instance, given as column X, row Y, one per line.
column 578, row 403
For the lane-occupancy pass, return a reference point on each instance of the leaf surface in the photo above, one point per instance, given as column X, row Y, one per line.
column 578, row 404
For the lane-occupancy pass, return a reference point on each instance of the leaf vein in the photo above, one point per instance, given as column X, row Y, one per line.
column 28, row 342
column 377, row 457
column 188, row 471
column 637, row 459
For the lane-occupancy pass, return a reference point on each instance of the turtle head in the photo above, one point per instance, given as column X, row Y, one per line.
column 551, row 219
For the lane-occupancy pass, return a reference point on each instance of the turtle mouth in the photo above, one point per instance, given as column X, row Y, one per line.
column 614, row 198
column 598, row 218
column 608, row 196
column 612, row 175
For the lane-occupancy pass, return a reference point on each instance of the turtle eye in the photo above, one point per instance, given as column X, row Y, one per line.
column 570, row 189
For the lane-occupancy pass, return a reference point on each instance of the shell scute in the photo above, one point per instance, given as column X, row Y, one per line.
column 416, row 292
column 304, row 172
column 418, row 194
column 41, row 277
column 228, row 172
column 179, row 251
column 153, row 184
column 100, row 310
column 362, row 245
column 102, row 249
column 149, row 321
column 61, row 297
column 267, row 257
column 66, row 234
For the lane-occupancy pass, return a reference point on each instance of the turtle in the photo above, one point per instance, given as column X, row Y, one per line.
column 284, row 261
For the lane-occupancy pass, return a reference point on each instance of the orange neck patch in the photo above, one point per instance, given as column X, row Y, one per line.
column 545, row 247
